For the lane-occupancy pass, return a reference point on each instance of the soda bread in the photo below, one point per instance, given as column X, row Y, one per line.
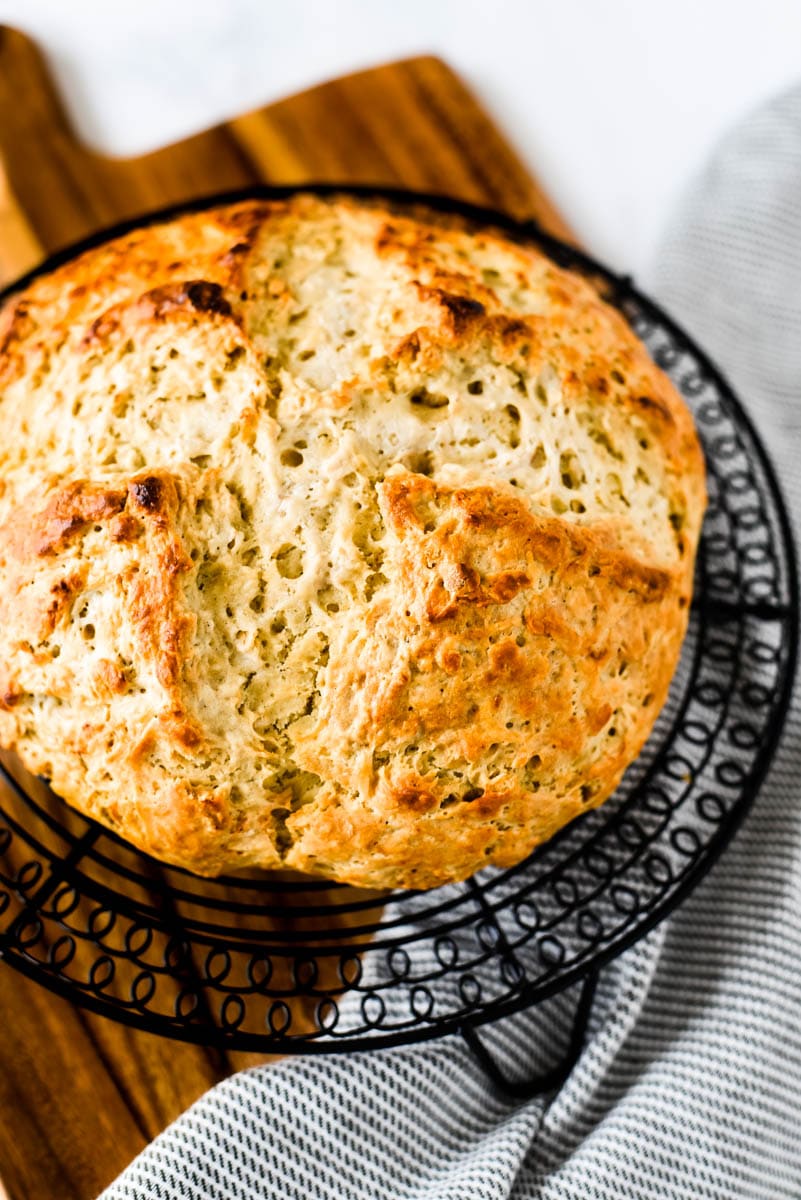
column 335, row 538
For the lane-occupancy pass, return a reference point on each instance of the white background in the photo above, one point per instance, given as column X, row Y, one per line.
column 614, row 103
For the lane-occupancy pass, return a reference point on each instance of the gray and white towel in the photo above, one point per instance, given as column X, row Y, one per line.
column 689, row 1084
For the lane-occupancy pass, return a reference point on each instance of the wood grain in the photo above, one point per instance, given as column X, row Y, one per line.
column 81, row 1095
column 410, row 124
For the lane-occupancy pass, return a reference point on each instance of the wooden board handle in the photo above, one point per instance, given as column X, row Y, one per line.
column 409, row 124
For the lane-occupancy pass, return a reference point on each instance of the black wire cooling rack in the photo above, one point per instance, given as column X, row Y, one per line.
column 279, row 964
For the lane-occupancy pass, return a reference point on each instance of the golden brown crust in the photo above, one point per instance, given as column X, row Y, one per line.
column 336, row 539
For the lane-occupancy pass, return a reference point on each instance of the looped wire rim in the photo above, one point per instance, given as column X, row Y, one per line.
column 159, row 949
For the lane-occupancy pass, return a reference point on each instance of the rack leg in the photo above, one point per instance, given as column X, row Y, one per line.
column 546, row 1081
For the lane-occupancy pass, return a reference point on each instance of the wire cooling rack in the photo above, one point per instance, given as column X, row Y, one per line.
column 280, row 964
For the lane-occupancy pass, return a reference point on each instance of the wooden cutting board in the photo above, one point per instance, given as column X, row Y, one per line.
column 80, row 1096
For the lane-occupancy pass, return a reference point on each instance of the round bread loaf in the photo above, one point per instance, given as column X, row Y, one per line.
column 336, row 539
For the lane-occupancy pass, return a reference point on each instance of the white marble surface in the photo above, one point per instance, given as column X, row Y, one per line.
column 614, row 102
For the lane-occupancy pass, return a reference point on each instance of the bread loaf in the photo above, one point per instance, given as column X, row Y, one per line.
column 335, row 538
